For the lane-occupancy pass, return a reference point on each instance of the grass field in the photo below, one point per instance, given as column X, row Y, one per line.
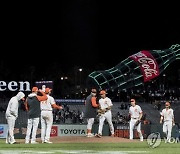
column 90, row 148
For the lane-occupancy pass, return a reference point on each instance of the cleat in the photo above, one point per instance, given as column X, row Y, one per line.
column 26, row 142
column 48, row 142
column 98, row 135
column 14, row 143
column 90, row 135
column 34, row 142
column 141, row 139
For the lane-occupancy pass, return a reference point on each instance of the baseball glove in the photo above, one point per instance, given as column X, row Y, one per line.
column 137, row 122
column 101, row 111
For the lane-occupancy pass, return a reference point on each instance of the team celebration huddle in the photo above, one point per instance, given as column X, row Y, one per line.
column 39, row 106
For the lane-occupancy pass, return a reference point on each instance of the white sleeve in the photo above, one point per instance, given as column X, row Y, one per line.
column 162, row 113
column 52, row 101
column 100, row 103
column 172, row 113
column 109, row 102
column 130, row 110
column 13, row 107
column 140, row 110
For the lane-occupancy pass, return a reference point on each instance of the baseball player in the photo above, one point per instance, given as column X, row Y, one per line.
column 47, row 116
column 177, row 122
column 32, row 105
column 90, row 111
column 12, row 115
column 135, row 113
column 105, row 105
column 167, row 117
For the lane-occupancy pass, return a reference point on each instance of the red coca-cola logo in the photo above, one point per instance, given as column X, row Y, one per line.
column 54, row 131
column 148, row 64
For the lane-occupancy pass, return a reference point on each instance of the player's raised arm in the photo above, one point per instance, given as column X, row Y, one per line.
column 43, row 97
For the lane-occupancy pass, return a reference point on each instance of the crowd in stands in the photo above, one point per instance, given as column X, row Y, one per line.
column 120, row 115
column 68, row 116
column 74, row 113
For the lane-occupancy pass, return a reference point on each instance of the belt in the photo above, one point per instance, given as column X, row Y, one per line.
column 134, row 118
column 167, row 120
column 46, row 110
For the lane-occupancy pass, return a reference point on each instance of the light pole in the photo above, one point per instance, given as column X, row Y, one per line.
column 164, row 81
column 80, row 70
column 63, row 84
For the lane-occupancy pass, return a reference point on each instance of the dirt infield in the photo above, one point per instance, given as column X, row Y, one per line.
column 104, row 139
column 83, row 139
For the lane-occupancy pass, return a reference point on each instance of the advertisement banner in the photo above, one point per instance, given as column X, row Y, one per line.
column 54, row 131
column 3, row 130
column 20, row 131
column 123, row 131
column 72, row 130
column 148, row 64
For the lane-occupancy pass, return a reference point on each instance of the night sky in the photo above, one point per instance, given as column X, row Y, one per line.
column 86, row 34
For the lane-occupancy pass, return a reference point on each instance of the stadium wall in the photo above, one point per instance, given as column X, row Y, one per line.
column 80, row 130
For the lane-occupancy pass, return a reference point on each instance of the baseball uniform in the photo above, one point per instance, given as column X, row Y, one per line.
column 168, row 117
column 47, row 116
column 12, row 115
column 105, row 103
column 135, row 112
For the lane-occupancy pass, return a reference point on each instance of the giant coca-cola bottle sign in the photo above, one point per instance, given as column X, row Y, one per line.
column 135, row 70
column 148, row 64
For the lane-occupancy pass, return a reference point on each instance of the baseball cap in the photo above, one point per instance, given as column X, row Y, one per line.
column 167, row 104
column 47, row 90
column 132, row 100
column 93, row 90
column 102, row 92
column 34, row 89
column 21, row 95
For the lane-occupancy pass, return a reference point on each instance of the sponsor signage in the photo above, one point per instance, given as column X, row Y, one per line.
column 54, row 131
column 48, row 84
column 15, row 86
column 148, row 64
column 71, row 101
column 123, row 131
column 21, row 129
column 3, row 130
column 72, row 130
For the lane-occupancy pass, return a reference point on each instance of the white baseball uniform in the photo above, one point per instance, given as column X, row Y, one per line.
column 12, row 115
column 104, row 103
column 135, row 112
column 168, row 117
column 46, row 118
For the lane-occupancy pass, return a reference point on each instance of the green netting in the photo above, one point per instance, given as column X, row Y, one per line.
column 127, row 74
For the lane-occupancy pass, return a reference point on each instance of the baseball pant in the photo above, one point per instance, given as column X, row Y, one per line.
column 90, row 122
column 46, row 125
column 32, row 125
column 108, row 117
column 10, row 133
column 131, row 128
column 167, row 128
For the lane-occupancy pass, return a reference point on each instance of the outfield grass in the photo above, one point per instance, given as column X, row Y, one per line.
column 114, row 148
